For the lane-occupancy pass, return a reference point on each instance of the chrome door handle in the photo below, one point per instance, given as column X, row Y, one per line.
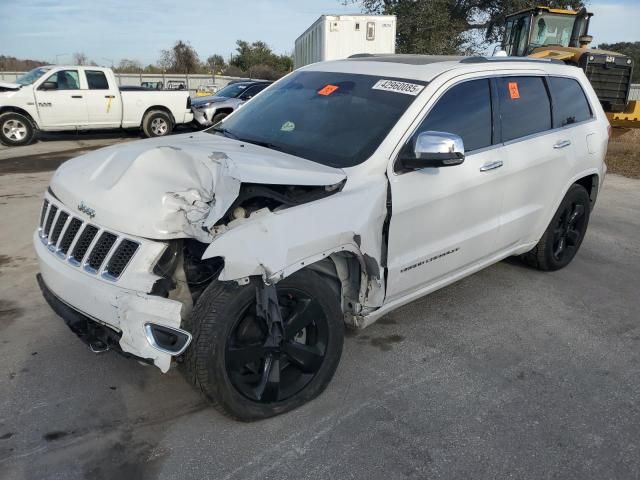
column 491, row 166
column 562, row 144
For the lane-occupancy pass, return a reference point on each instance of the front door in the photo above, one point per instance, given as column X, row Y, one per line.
column 63, row 104
column 447, row 219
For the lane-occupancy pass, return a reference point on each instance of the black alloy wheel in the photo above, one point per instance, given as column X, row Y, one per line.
column 265, row 373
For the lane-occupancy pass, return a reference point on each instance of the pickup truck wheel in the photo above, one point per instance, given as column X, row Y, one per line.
column 243, row 374
column 219, row 117
column 157, row 123
column 564, row 235
column 15, row 129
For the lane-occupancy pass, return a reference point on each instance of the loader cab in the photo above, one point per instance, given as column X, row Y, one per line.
column 537, row 27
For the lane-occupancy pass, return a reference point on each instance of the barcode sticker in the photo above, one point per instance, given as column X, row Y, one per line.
column 398, row 87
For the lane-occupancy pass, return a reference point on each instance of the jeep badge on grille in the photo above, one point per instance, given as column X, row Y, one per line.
column 90, row 212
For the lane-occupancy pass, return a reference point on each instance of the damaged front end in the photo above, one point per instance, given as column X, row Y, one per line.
column 203, row 209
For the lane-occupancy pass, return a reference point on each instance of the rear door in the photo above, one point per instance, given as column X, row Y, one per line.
column 104, row 106
column 447, row 219
column 538, row 157
column 63, row 106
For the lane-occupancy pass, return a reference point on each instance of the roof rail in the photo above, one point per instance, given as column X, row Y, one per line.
column 510, row 59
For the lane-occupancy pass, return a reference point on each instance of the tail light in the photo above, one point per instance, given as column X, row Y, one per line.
column 609, row 131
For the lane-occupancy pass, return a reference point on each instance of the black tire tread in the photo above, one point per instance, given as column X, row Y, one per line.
column 206, row 328
column 537, row 257
column 206, row 309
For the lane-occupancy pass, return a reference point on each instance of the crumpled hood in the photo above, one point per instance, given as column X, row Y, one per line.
column 210, row 99
column 10, row 86
column 177, row 186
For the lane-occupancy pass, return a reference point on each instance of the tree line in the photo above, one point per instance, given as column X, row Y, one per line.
column 254, row 60
column 436, row 27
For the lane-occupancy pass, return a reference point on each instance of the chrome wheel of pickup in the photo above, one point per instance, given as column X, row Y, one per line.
column 159, row 127
column 15, row 129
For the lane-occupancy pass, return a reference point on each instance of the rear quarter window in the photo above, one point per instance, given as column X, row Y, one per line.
column 570, row 103
column 525, row 107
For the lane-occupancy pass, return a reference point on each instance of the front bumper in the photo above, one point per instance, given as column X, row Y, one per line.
column 80, row 298
column 204, row 115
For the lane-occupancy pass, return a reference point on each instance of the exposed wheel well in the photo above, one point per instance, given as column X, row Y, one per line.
column 223, row 110
column 21, row 112
column 344, row 272
column 590, row 183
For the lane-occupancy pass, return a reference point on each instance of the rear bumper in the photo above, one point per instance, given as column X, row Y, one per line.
column 102, row 311
column 188, row 117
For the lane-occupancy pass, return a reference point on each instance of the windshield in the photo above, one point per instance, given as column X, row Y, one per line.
column 31, row 76
column 232, row 91
column 336, row 119
column 551, row 29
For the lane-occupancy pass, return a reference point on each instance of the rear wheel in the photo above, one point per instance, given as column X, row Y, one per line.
column 245, row 374
column 563, row 237
column 157, row 123
column 15, row 129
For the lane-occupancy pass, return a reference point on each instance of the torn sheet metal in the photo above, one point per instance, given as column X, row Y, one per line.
column 276, row 244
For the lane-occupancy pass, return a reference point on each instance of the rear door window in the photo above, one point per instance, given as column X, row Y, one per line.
column 97, row 80
column 570, row 103
column 525, row 107
column 464, row 110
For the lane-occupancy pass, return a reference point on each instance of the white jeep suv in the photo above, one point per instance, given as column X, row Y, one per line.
column 338, row 194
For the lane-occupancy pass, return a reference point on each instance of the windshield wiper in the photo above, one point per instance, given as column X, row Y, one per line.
column 271, row 146
column 225, row 132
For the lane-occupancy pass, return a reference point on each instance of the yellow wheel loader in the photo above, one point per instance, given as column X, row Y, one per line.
column 544, row 32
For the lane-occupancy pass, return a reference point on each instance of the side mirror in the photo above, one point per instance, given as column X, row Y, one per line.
column 431, row 150
column 585, row 40
column 49, row 86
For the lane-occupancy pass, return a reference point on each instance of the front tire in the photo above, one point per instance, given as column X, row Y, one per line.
column 16, row 129
column 157, row 123
column 562, row 238
column 230, row 362
column 217, row 118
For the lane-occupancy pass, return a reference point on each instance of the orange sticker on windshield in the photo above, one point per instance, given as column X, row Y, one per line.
column 514, row 93
column 327, row 90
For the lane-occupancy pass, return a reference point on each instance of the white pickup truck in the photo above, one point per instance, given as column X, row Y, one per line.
column 57, row 98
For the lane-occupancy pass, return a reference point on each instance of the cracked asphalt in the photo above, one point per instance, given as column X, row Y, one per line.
column 510, row 373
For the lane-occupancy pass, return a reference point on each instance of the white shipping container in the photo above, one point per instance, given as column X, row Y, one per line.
column 334, row 37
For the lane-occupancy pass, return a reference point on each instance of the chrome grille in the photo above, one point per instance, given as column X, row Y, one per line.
column 120, row 258
column 50, row 216
column 100, row 250
column 69, row 235
column 83, row 244
column 57, row 229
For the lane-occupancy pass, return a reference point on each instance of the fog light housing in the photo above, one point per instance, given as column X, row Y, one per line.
column 169, row 340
